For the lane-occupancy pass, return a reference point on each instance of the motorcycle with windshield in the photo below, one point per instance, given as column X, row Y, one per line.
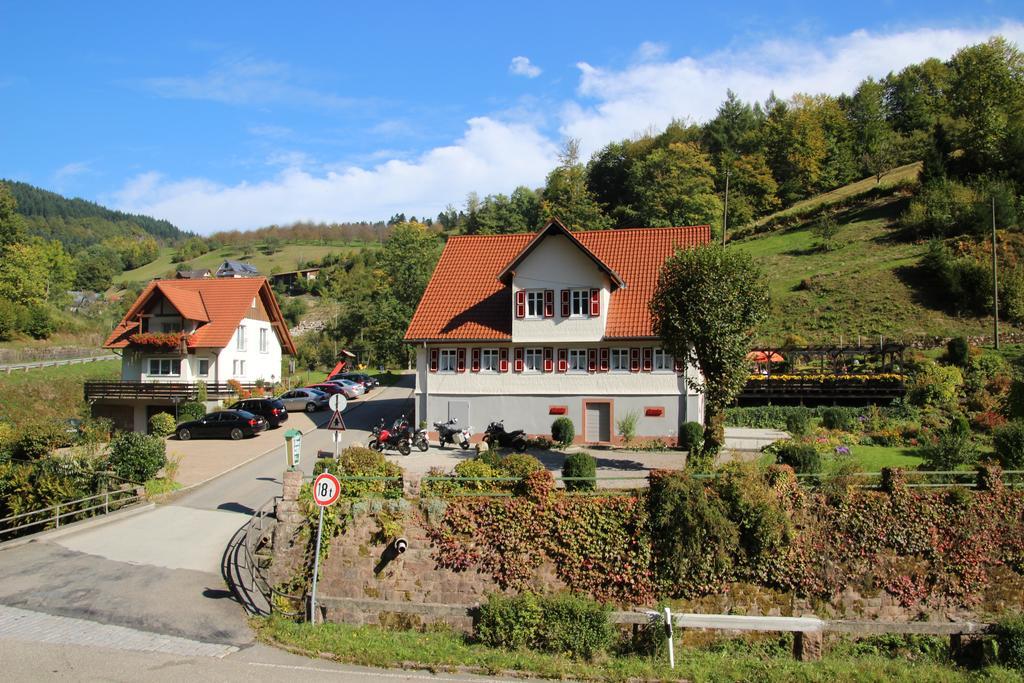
column 448, row 433
column 384, row 438
column 416, row 437
column 497, row 436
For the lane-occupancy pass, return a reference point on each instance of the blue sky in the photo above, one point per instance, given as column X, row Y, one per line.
column 222, row 116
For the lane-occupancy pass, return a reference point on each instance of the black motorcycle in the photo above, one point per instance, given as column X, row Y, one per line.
column 389, row 438
column 497, row 436
column 417, row 437
column 448, row 433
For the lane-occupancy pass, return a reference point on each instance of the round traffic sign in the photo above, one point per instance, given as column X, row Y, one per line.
column 337, row 402
column 326, row 489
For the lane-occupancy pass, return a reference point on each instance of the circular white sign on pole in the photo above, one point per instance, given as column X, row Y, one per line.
column 326, row 489
column 337, row 402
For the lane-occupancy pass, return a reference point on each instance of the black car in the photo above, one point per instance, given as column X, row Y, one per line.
column 232, row 424
column 270, row 409
column 368, row 381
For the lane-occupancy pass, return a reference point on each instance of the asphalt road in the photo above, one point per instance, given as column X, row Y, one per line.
column 159, row 573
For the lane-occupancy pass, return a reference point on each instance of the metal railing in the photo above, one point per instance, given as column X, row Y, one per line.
column 35, row 365
column 52, row 516
column 123, row 389
column 255, row 535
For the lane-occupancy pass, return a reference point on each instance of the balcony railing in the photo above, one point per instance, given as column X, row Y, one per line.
column 166, row 391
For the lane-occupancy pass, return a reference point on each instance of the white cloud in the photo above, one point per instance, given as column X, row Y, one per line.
column 522, row 66
column 625, row 102
column 242, row 81
column 75, row 168
column 490, row 157
column 650, row 51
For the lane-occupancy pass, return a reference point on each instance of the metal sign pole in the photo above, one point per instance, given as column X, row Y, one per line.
column 316, row 568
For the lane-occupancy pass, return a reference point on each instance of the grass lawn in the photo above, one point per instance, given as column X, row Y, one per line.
column 764, row 661
column 50, row 392
column 874, row 458
column 286, row 259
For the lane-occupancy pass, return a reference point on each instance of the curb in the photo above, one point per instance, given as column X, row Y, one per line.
column 190, row 487
column 82, row 525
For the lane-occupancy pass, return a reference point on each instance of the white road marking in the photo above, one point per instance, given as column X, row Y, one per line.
column 375, row 674
column 37, row 627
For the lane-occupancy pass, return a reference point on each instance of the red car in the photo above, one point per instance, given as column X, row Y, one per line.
column 330, row 388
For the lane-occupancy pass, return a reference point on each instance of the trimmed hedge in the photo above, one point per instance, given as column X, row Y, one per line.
column 691, row 437
column 559, row 624
column 563, row 431
column 803, row 458
column 580, row 464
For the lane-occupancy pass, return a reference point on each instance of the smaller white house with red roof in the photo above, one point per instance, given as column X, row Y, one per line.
column 221, row 332
column 530, row 327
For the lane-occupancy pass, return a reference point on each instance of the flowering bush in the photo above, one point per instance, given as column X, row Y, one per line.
column 861, row 378
column 168, row 341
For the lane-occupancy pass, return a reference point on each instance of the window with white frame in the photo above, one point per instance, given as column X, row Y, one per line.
column 535, row 303
column 240, row 338
column 239, row 368
column 170, row 327
column 577, row 360
column 446, row 360
column 264, row 339
column 533, row 360
column 580, row 303
column 620, row 360
column 204, row 367
column 168, row 367
column 488, row 360
column 662, row 361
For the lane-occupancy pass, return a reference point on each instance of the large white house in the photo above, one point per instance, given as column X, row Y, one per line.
column 529, row 327
column 179, row 333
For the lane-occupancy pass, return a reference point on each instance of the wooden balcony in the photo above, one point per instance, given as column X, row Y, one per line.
column 822, row 391
column 157, row 391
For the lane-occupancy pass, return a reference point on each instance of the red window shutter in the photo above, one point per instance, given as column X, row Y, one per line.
column 604, row 359
column 595, row 303
column 549, row 303
column 521, row 304
column 502, row 360
column 563, row 360
column 565, row 303
column 519, row 360
column 592, row 360
column 634, row 360
column 433, row 360
column 549, row 363
column 648, row 359
column 460, row 359
column 680, row 366
column 475, row 366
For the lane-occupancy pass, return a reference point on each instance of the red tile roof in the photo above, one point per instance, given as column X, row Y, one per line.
column 465, row 300
column 219, row 304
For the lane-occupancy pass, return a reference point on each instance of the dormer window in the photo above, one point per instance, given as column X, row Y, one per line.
column 535, row 303
column 579, row 303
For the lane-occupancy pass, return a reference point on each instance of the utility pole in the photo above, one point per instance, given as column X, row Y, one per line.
column 725, row 219
column 995, row 280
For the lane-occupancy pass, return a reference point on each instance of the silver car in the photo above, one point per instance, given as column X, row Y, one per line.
column 310, row 400
column 357, row 388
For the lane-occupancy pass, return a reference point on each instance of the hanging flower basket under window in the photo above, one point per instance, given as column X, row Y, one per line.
column 164, row 341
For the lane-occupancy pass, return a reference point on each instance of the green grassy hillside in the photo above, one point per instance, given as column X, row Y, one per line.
column 287, row 258
column 869, row 285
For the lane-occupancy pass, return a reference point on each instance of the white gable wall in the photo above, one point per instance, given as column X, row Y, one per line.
column 557, row 264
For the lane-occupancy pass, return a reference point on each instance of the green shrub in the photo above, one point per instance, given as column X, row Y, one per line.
column 161, row 424
column 191, row 410
column 691, row 437
column 627, row 426
column 563, row 431
column 1008, row 442
column 1010, row 639
column 797, row 424
column 519, row 465
column 38, row 440
column 136, row 457
column 958, row 352
column 935, row 385
column 491, row 457
column 8, row 320
column 39, row 322
column 802, row 457
column 559, row 624
column 952, row 449
column 509, row 621
column 357, row 461
column 477, row 468
column 836, row 418
column 574, row 626
column 580, row 464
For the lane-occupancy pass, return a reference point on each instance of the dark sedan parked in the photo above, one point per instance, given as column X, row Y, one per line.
column 271, row 410
column 231, row 424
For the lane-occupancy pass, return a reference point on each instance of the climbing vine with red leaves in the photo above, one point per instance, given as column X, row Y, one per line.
column 926, row 548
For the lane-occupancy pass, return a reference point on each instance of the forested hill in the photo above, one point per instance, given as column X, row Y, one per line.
column 78, row 223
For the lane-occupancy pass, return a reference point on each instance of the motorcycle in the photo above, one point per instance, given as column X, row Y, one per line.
column 389, row 438
column 417, row 437
column 495, row 435
column 447, row 433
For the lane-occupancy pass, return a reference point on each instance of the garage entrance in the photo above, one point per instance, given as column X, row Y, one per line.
column 597, row 421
